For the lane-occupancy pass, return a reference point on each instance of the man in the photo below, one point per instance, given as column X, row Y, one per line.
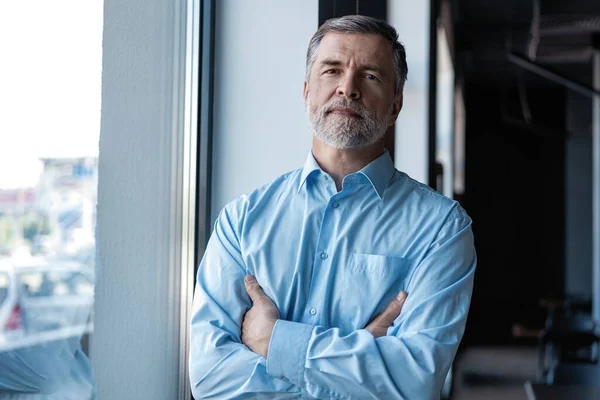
column 296, row 293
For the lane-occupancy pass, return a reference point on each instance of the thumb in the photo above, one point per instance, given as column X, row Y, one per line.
column 253, row 288
column 393, row 310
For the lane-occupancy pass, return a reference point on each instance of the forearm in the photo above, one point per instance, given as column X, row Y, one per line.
column 221, row 367
column 411, row 362
column 359, row 365
column 231, row 371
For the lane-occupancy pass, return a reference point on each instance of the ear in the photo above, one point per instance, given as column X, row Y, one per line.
column 305, row 90
column 396, row 107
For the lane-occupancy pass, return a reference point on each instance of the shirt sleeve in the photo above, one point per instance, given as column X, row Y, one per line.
column 221, row 366
column 412, row 361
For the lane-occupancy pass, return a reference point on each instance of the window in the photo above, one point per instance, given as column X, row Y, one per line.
column 3, row 288
column 49, row 131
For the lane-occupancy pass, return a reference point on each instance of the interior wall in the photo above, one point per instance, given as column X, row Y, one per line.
column 411, row 20
column 260, row 125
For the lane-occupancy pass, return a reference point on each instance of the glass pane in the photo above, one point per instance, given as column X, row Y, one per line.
column 3, row 287
column 49, row 130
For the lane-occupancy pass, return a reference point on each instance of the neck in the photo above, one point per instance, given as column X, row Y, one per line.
column 341, row 162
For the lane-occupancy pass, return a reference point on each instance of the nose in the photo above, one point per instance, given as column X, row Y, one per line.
column 348, row 88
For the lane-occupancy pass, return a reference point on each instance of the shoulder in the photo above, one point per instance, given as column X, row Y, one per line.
column 283, row 185
column 427, row 199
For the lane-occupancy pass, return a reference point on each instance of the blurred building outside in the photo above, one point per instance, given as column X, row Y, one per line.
column 55, row 219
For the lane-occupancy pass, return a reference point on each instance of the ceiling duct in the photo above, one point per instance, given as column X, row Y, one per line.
column 566, row 38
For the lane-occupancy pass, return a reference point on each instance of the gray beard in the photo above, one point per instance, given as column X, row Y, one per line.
column 343, row 132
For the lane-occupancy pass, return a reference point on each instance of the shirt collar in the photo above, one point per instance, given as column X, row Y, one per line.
column 310, row 165
column 378, row 172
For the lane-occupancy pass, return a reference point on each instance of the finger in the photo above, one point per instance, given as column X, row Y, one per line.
column 253, row 288
column 393, row 310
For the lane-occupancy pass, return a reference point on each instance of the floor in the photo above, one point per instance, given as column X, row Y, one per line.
column 491, row 373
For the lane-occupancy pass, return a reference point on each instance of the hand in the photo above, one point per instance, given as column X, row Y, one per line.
column 259, row 320
column 380, row 324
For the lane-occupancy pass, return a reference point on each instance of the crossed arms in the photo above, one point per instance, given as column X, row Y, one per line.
column 410, row 361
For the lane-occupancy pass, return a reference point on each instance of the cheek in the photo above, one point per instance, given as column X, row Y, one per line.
column 324, row 90
column 316, row 99
column 310, row 105
column 379, row 104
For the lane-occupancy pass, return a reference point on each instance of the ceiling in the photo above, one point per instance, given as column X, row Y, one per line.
column 556, row 34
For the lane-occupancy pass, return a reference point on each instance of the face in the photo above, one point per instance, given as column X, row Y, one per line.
column 350, row 96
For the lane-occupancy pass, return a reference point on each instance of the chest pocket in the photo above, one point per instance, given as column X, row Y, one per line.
column 370, row 282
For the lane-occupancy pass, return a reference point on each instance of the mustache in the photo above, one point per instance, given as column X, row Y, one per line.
column 356, row 107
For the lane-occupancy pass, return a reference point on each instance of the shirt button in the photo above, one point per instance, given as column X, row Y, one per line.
column 313, row 311
column 324, row 256
column 335, row 204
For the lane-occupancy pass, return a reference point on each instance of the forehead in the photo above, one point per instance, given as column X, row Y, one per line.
column 356, row 47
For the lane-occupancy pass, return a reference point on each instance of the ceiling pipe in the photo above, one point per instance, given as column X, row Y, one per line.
column 551, row 75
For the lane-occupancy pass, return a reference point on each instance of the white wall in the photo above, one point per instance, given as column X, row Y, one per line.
column 445, row 113
column 411, row 20
column 135, row 348
column 260, row 125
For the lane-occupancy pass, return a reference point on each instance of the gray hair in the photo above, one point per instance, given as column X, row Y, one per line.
column 365, row 25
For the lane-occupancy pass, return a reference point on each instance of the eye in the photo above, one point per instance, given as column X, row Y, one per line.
column 371, row 77
column 330, row 72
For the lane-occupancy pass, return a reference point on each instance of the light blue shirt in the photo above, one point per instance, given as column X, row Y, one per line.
column 331, row 261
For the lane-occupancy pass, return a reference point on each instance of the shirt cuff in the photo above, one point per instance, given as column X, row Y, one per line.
column 287, row 351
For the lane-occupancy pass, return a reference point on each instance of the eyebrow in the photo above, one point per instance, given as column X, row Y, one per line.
column 336, row 63
column 330, row 62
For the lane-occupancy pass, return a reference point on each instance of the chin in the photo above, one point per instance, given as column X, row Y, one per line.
column 344, row 142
